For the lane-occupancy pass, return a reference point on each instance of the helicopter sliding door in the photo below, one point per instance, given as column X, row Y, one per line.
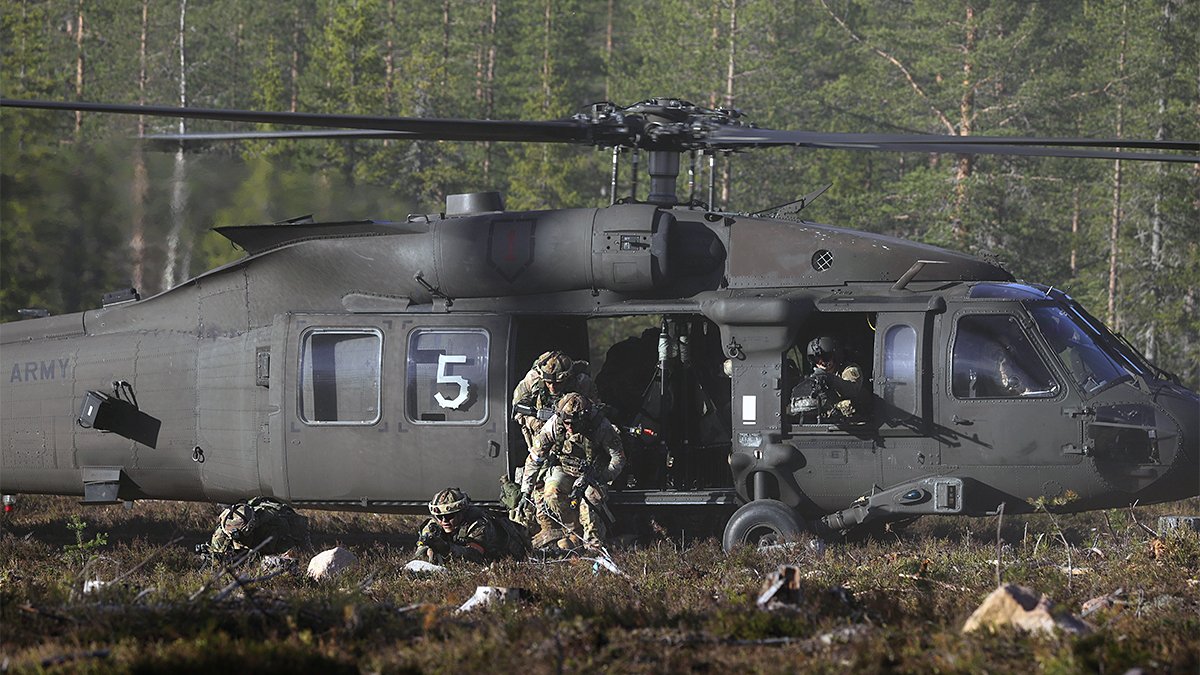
column 384, row 410
column 1001, row 403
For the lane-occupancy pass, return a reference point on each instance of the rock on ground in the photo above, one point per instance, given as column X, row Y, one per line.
column 1012, row 605
column 328, row 564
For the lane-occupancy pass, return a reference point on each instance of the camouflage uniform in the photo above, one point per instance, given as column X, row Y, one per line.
column 569, row 376
column 592, row 446
column 532, row 390
column 477, row 535
column 244, row 526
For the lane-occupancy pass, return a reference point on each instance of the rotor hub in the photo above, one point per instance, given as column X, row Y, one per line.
column 657, row 124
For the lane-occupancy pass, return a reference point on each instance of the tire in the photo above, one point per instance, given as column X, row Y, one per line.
column 762, row 522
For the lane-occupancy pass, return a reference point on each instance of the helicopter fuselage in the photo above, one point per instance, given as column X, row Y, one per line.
column 368, row 365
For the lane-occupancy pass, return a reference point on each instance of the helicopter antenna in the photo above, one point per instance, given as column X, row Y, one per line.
column 792, row 208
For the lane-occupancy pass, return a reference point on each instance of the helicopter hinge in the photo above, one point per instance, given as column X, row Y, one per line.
column 1084, row 449
column 419, row 277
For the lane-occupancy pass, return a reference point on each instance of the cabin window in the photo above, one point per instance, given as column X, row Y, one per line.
column 446, row 379
column 339, row 376
column 994, row 359
column 899, row 385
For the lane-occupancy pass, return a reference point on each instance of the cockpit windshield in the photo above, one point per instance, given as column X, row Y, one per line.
column 1090, row 365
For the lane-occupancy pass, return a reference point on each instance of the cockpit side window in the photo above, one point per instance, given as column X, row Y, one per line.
column 993, row 358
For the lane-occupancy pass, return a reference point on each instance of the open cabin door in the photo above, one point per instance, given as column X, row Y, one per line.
column 385, row 410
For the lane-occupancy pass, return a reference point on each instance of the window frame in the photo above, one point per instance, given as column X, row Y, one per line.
column 483, row 393
column 302, row 345
column 1023, row 325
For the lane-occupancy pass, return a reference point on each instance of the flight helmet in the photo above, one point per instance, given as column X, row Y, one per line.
column 824, row 347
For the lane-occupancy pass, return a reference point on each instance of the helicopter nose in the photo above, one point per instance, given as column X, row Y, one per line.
column 1182, row 408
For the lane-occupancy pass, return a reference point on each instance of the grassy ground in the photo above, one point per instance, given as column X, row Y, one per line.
column 892, row 605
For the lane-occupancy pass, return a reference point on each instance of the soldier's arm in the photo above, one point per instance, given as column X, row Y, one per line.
column 611, row 441
column 539, row 452
column 523, row 393
column 472, row 542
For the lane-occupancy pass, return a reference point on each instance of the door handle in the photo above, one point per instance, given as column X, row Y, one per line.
column 493, row 448
column 959, row 420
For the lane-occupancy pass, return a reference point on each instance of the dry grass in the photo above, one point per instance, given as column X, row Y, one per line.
column 890, row 605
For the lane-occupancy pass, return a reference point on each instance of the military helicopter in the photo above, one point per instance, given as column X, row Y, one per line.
column 364, row 365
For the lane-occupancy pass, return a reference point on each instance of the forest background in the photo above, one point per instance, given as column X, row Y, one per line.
column 86, row 210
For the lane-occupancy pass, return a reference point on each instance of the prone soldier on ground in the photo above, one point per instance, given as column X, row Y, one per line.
column 580, row 451
column 262, row 526
column 460, row 530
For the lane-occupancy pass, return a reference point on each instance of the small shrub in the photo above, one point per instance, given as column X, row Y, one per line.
column 81, row 551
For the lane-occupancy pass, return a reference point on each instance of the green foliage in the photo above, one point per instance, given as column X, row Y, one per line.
column 1074, row 68
column 79, row 553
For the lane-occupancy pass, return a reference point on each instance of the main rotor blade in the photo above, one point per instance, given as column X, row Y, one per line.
column 673, row 126
column 733, row 138
column 554, row 131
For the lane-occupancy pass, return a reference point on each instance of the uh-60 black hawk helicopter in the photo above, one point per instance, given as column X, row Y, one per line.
column 367, row 364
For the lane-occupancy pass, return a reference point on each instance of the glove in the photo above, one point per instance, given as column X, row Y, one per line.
column 433, row 541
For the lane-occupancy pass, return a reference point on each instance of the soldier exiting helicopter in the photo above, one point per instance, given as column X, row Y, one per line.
column 553, row 375
column 832, row 391
column 581, row 452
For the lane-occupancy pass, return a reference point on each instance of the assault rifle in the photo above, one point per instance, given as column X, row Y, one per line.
column 527, row 409
column 579, row 493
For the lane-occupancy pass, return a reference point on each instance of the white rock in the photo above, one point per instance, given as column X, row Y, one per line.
column 422, row 567
column 328, row 564
column 487, row 595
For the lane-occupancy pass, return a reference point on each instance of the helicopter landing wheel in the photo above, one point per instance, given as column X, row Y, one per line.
column 762, row 522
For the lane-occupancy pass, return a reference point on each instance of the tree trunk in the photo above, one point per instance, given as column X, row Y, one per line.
column 445, row 45
column 966, row 109
column 295, row 60
column 140, row 186
column 389, row 63
column 489, row 80
column 730, row 70
column 1075, row 215
column 1114, row 233
column 608, row 52
column 179, row 196
column 1157, row 226
column 79, row 62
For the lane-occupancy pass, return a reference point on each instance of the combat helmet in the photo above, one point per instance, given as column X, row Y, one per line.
column 577, row 410
column 555, row 366
column 448, row 502
column 824, row 347
column 237, row 519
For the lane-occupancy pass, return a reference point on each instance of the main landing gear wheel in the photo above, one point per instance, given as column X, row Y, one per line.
column 762, row 522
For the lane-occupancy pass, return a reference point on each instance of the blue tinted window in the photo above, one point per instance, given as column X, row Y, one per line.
column 900, row 368
column 1006, row 292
